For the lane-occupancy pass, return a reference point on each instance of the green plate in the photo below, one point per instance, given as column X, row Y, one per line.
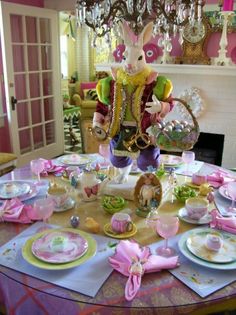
column 30, row 258
column 184, row 250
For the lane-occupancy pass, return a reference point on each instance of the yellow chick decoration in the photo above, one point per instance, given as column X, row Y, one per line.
column 92, row 225
column 205, row 189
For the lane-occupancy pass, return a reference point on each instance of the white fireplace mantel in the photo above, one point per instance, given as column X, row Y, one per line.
column 217, row 87
column 180, row 69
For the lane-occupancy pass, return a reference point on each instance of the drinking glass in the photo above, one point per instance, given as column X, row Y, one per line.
column 188, row 157
column 151, row 219
column 166, row 227
column 104, row 151
column 37, row 166
column 231, row 191
column 43, row 209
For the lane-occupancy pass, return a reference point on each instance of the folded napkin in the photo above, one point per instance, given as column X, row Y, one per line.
column 13, row 210
column 219, row 178
column 227, row 224
column 133, row 261
column 50, row 167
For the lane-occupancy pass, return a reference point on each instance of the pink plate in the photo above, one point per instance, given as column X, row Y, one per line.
column 171, row 160
column 59, row 247
column 223, row 191
column 31, row 194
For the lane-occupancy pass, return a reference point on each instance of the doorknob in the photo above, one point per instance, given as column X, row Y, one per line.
column 13, row 102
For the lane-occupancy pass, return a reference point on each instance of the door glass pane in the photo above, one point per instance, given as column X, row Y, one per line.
column 48, row 108
column 46, row 57
column 18, row 58
column 20, row 86
column 24, row 137
column 36, row 112
column 22, row 114
column 16, row 28
column 31, row 29
column 47, row 83
column 33, row 58
column 50, row 132
column 38, row 137
column 45, row 30
column 34, row 85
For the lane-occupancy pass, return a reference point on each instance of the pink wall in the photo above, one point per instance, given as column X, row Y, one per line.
column 5, row 145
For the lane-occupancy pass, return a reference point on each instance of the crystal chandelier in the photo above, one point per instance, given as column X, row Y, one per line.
column 168, row 16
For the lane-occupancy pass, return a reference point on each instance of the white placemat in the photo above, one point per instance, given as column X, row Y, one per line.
column 194, row 167
column 202, row 280
column 86, row 278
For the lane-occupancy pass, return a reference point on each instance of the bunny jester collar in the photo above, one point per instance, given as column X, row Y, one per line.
column 138, row 79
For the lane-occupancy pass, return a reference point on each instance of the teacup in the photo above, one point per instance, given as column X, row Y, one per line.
column 214, row 241
column 196, row 207
column 59, row 195
column 121, row 223
column 198, row 179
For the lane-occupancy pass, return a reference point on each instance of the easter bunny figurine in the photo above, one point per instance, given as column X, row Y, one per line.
column 129, row 102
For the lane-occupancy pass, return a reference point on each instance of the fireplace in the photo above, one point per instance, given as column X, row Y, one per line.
column 209, row 148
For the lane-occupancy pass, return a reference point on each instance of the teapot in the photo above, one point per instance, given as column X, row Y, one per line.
column 90, row 185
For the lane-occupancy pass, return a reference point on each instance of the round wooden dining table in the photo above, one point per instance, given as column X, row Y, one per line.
column 160, row 292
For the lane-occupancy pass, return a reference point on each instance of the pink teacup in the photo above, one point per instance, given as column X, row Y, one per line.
column 198, row 179
column 121, row 223
column 59, row 196
column 196, row 207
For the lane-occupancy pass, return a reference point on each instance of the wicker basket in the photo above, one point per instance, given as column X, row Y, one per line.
column 177, row 135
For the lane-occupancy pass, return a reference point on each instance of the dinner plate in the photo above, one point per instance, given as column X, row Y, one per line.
column 108, row 231
column 59, row 247
column 223, row 192
column 227, row 253
column 187, row 253
column 33, row 260
column 69, row 204
column 75, row 159
column 171, row 160
column 20, row 188
column 184, row 217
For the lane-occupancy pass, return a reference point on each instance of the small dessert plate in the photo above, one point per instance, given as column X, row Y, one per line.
column 59, row 247
column 19, row 188
column 171, row 160
column 74, row 159
column 223, row 192
column 69, row 204
column 196, row 244
column 184, row 217
column 108, row 231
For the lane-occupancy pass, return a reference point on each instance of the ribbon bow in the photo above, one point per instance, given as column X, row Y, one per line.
column 91, row 190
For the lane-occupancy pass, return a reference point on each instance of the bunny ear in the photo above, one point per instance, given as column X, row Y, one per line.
column 146, row 34
column 127, row 34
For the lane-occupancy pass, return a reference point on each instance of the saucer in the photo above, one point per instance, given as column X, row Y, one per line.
column 108, row 231
column 69, row 204
column 184, row 216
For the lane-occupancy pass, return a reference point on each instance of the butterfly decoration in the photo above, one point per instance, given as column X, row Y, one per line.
column 91, row 190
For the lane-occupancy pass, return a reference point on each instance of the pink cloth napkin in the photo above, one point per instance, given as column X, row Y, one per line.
column 227, row 224
column 219, row 178
column 50, row 167
column 13, row 210
column 133, row 261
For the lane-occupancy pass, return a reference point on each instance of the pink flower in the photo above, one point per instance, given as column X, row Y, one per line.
column 151, row 52
column 118, row 52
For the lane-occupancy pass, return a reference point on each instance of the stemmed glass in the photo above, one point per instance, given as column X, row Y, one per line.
column 37, row 166
column 166, row 227
column 188, row 157
column 231, row 190
column 104, row 151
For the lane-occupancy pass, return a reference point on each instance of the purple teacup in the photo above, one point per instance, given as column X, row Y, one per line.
column 121, row 223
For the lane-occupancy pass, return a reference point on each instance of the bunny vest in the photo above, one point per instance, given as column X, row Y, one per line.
column 121, row 104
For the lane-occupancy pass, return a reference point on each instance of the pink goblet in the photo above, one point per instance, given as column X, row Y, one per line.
column 166, row 227
column 43, row 209
column 188, row 157
column 231, row 191
column 37, row 166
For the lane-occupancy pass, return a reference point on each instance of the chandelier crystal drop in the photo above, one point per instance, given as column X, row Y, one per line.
column 168, row 16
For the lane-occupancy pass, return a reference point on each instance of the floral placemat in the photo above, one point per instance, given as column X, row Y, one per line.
column 204, row 281
column 86, row 278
